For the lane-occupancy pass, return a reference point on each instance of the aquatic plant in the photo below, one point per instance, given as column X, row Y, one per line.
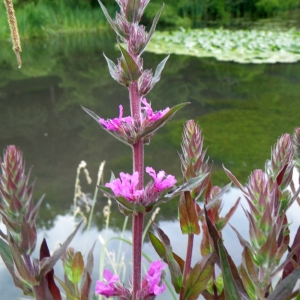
column 242, row 46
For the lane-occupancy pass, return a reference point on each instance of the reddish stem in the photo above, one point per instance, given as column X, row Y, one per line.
column 138, row 219
column 188, row 262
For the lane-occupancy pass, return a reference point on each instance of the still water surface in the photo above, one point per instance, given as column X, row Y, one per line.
column 242, row 109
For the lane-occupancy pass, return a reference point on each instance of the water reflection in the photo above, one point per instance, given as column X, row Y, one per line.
column 242, row 110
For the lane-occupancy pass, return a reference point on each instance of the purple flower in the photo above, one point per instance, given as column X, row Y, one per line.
column 149, row 115
column 117, row 123
column 161, row 182
column 126, row 186
column 154, row 278
column 107, row 287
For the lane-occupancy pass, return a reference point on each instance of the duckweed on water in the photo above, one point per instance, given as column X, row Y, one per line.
column 241, row 46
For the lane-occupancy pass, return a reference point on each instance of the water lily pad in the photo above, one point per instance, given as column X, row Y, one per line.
column 241, row 46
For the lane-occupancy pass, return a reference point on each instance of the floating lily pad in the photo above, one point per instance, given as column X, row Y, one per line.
column 241, row 46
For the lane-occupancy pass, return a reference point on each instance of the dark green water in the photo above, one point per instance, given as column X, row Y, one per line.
column 242, row 110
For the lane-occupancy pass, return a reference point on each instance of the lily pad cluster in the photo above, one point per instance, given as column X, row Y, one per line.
column 241, row 46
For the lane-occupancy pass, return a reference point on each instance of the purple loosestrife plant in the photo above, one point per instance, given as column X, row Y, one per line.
column 137, row 129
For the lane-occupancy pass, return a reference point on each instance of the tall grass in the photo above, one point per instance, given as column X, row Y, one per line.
column 41, row 19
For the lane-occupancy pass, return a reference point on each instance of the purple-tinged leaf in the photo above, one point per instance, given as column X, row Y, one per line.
column 198, row 277
column 235, row 181
column 289, row 267
column 266, row 219
column 256, row 235
column 242, row 241
column 232, row 291
column 15, row 205
column 85, row 291
column 41, row 291
column 89, row 264
column 152, row 29
column 253, row 209
column 229, row 214
column 249, row 265
column 175, row 271
column 110, row 20
column 21, row 266
column 280, row 176
column 267, row 252
column 188, row 217
column 32, row 214
column 230, row 273
column 49, row 277
column 295, row 197
column 285, row 287
column 28, row 237
column 47, row 263
column 216, row 198
column 132, row 70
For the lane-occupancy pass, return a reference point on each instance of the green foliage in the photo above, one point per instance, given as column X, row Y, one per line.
column 45, row 18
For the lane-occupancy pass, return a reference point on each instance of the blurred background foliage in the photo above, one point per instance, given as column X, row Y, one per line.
column 48, row 17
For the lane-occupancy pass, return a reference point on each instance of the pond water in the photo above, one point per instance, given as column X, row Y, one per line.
column 242, row 110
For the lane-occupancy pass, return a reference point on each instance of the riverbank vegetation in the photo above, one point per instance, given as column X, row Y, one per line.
column 44, row 17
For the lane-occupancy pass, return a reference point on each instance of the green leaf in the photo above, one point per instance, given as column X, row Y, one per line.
column 188, row 216
column 132, row 69
column 175, row 271
column 158, row 71
column 284, row 289
column 230, row 288
column 161, row 251
column 150, row 129
column 152, row 29
column 6, row 255
column 198, row 277
column 187, row 186
column 77, row 268
column 112, row 71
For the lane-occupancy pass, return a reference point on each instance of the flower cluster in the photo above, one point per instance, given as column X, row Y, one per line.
column 110, row 286
column 153, row 278
column 126, row 124
column 152, row 283
column 125, row 186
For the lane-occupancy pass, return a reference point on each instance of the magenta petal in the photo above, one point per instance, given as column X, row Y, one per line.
column 104, row 289
column 110, row 277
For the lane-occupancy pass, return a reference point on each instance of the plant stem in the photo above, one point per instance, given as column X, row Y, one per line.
column 138, row 166
column 188, row 261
